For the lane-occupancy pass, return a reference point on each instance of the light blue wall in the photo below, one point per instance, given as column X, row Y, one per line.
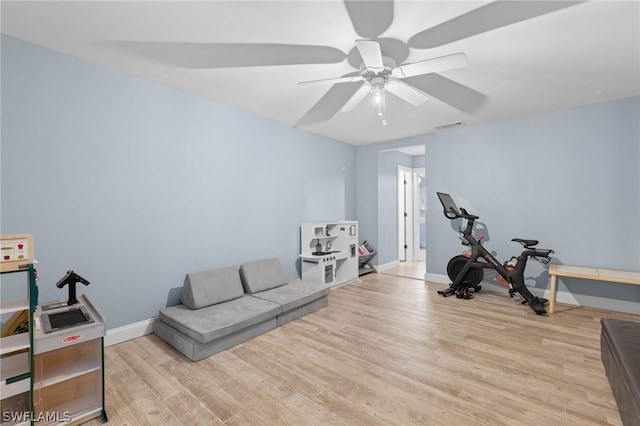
column 570, row 179
column 417, row 161
column 133, row 184
column 374, row 162
column 388, row 162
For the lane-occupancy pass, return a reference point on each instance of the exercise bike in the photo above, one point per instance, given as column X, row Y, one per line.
column 466, row 271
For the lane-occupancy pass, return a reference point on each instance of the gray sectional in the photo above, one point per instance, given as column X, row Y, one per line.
column 223, row 307
column 265, row 280
column 620, row 354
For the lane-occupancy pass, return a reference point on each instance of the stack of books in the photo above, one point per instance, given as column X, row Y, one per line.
column 365, row 248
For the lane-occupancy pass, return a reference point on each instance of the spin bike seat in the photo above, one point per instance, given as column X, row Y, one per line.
column 525, row 243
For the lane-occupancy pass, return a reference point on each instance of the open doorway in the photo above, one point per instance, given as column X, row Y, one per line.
column 402, row 210
column 411, row 214
column 405, row 214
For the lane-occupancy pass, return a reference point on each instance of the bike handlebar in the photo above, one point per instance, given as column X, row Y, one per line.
column 543, row 252
column 466, row 215
column 541, row 255
column 451, row 210
column 451, row 214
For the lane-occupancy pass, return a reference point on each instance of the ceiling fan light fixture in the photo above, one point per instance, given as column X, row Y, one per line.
column 380, row 100
column 380, row 74
column 377, row 85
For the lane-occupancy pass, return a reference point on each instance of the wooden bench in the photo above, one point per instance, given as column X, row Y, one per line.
column 599, row 274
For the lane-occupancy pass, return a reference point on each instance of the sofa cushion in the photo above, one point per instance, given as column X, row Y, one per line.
column 207, row 288
column 213, row 322
column 261, row 275
column 296, row 293
column 619, row 348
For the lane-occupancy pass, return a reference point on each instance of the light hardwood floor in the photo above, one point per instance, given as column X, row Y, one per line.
column 386, row 351
column 408, row 270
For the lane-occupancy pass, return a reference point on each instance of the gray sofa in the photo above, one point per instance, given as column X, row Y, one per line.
column 266, row 280
column 620, row 353
column 223, row 307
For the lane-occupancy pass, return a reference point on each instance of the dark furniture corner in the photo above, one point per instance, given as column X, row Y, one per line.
column 620, row 353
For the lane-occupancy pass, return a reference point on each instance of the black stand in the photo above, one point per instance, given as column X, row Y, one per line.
column 71, row 279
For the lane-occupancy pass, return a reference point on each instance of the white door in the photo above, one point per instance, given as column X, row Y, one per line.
column 405, row 214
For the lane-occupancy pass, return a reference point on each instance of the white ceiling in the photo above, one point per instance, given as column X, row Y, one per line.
column 523, row 58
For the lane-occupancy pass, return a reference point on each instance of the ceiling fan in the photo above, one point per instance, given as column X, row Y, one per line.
column 380, row 74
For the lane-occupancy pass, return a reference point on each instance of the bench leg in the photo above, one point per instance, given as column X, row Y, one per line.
column 552, row 295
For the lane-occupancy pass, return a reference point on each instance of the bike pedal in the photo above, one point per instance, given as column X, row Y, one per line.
column 446, row 292
column 537, row 308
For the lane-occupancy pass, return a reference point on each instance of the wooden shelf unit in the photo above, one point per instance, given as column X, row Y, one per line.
column 16, row 367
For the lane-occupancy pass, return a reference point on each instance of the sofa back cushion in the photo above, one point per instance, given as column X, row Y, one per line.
column 207, row 288
column 261, row 275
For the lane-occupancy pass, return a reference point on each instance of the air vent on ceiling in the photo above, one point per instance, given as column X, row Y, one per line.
column 450, row 125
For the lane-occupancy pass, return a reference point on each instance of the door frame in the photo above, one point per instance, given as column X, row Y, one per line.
column 409, row 203
column 417, row 172
column 406, row 214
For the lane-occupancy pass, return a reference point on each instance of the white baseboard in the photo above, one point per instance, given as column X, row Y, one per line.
column 129, row 331
column 561, row 296
column 437, row 278
column 595, row 302
column 387, row 266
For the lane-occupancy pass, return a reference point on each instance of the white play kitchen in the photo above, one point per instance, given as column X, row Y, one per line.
column 329, row 252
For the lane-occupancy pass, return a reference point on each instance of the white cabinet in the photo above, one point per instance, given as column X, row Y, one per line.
column 68, row 382
column 329, row 252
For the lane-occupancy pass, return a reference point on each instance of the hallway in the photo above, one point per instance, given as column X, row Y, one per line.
column 414, row 270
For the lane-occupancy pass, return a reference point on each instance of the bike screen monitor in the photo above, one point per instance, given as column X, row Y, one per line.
column 450, row 209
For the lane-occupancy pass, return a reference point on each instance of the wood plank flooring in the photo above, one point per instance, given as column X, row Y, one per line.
column 386, row 351
column 408, row 270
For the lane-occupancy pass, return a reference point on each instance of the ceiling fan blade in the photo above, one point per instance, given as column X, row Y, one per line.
column 485, row 18
column 227, row 55
column 371, row 54
column 332, row 80
column 448, row 91
column 406, row 92
column 357, row 97
column 329, row 104
column 370, row 18
column 444, row 63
